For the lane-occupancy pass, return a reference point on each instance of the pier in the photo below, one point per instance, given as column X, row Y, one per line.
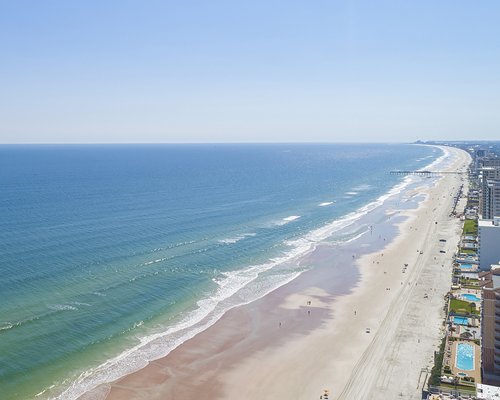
column 425, row 172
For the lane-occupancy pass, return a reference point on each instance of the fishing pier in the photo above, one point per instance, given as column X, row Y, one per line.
column 424, row 172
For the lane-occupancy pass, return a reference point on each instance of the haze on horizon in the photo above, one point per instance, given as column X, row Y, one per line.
column 260, row 71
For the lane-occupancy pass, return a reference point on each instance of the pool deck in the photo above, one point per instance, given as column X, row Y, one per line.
column 464, row 259
column 459, row 329
column 469, row 274
column 476, row 301
column 474, row 292
column 460, row 292
column 451, row 354
column 472, row 268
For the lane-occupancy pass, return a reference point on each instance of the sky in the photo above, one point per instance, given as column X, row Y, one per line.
column 248, row 71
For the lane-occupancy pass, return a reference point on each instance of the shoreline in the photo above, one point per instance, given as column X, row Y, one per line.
column 243, row 333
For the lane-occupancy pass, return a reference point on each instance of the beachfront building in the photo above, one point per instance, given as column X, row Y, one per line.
column 479, row 156
column 491, row 199
column 490, row 326
column 491, row 161
column 490, row 176
column 489, row 242
column 487, row 392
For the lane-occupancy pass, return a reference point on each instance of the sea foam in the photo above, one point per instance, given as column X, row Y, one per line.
column 237, row 238
column 287, row 220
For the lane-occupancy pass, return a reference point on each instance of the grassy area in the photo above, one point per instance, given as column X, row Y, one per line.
column 468, row 281
column 465, row 286
column 467, row 251
column 438, row 365
column 460, row 306
column 463, row 387
column 470, row 227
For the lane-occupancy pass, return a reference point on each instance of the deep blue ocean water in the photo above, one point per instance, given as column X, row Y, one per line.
column 107, row 248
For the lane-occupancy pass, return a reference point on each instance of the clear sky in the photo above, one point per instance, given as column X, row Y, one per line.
column 248, row 71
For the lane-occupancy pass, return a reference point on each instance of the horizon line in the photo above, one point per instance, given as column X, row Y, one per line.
column 228, row 142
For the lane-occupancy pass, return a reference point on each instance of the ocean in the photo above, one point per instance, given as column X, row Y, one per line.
column 113, row 255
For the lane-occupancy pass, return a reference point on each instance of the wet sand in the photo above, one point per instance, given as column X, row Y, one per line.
column 311, row 334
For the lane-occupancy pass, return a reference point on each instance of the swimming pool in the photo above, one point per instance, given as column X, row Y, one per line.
column 465, row 357
column 466, row 266
column 460, row 320
column 471, row 297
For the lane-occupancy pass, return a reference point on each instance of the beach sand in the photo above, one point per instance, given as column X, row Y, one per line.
column 312, row 334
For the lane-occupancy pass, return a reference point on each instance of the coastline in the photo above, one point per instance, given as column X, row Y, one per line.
column 226, row 359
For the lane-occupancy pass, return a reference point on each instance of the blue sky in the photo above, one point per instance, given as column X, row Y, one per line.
column 254, row 71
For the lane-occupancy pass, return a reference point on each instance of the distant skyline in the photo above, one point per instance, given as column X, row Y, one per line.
column 257, row 71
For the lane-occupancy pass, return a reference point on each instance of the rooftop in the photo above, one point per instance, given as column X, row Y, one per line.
column 496, row 281
column 488, row 392
column 486, row 222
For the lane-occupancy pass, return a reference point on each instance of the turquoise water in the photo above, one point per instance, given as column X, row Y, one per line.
column 460, row 320
column 113, row 249
column 465, row 357
column 466, row 266
column 471, row 297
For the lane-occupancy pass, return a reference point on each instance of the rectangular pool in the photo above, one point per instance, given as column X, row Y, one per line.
column 465, row 357
column 461, row 320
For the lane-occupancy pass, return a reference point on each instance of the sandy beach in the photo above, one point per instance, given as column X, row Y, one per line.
column 360, row 325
